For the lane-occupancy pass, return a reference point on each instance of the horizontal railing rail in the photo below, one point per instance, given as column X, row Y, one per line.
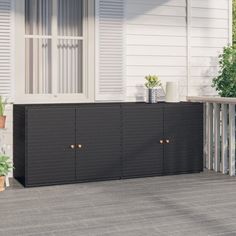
column 219, row 133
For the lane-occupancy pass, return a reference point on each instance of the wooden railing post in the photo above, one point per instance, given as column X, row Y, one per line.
column 224, row 138
column 209, row 136
column 231, row 139
column 204, row 135
column 216, row 137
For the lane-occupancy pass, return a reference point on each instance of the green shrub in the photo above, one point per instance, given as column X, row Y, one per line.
column 225, row 82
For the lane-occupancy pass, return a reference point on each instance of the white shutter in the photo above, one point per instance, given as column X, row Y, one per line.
column 110, row 54
column 6, row 29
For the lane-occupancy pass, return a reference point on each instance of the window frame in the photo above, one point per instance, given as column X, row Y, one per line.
column 88, row 57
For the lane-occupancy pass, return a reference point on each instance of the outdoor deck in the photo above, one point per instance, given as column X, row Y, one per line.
column 195, row 204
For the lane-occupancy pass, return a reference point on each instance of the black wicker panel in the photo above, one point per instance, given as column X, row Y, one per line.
column 50, row 132
column 19, row 143
column 142, row 132
column 98, row 130
column 184, row 128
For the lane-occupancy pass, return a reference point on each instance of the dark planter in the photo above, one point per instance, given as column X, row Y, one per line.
column 152, row 95
column 2, row 122
column 2, row 183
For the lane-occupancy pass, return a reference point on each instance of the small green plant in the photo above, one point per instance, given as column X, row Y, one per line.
column 5, row 165
column 2, row 106
column 225, row 82
column 152, row 81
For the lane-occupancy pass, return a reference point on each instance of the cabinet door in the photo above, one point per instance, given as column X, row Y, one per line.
column 142, row 132
column 99, row 134
column 183, row 127
column 50, row 132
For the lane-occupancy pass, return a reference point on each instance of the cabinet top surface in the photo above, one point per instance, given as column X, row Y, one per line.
column 103, row 104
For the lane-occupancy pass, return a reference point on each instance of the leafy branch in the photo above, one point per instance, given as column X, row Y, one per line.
column 225, row 82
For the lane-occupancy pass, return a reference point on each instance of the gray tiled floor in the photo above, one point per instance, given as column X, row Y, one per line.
column 196, row 204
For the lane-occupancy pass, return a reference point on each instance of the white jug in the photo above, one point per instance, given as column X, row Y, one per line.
column 172, row 92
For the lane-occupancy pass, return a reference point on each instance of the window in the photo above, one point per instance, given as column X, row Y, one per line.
column 38, row 47
column 57, row 49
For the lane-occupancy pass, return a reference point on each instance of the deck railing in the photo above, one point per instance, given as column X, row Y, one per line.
column 219, row 133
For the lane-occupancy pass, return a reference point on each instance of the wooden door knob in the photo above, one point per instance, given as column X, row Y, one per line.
column 161, row 141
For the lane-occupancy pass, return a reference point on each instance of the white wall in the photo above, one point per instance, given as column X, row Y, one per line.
column 7, row 70
column 210, row 32
column 6, row 135
column 164, row 38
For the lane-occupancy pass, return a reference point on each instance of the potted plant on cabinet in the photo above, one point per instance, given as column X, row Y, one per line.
column 5, row 168
column 2, row 116
column 152, row 83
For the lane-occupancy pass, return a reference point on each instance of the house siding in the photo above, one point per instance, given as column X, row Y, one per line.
column 156, row 44
column 7, row 71
column 164, row 39
column 6, row 52
column 210, row 32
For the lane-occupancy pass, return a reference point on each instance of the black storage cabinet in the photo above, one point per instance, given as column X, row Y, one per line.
column 163, row 138
column 142, row 129
column 183, row 138
column 56, row 144
column 98, row 132
column 49, row 134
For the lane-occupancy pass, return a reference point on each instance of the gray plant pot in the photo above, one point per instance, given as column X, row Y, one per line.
column 152, row 95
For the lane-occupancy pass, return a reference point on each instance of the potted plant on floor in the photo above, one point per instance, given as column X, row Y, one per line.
column 5, row 168
column 152, row 84
column 2, row 116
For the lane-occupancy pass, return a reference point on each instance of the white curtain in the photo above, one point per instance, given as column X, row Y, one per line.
column 39, row 40
column 70, row 46
column 38, row 15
